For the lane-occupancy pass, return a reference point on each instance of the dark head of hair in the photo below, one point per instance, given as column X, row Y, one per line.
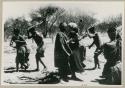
column 32, row 29
column 75, row 30
column 16, row 31
column 111, row 30
column 92, row 30
column 112, row 33
column 72, row 34
column 62, row 27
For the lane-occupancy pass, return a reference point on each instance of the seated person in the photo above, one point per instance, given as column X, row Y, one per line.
column 112, row 53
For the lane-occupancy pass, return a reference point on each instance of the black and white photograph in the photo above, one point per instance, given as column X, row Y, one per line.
column 62, row 43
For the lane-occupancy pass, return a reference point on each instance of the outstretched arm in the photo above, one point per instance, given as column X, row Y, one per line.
column 95, row 40
column 101, row 49
column 21, row 40
column 91, row 44
column 82, row 37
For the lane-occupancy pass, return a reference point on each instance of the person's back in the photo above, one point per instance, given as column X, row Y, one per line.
column 38, row 39
column 97, row 40
column 112, row 68
column 110, row 51
column 40, row 49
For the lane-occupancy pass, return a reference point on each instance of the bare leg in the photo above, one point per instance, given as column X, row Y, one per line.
column 42, row 63
column 17, row 66
column 37, row 61
column 96, row 61
column 17, row 63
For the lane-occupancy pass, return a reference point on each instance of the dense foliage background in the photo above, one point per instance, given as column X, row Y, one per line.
column 49, row 18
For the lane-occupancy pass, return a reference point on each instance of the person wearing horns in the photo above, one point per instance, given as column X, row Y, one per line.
column 62, row 52
column 40, row 46
column 97, row 43
column 22, row 50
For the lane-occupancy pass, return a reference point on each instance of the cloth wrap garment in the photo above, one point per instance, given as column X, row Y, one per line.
column 112, row 68
column 22, row 50
column 75, row 58
column 61, row 52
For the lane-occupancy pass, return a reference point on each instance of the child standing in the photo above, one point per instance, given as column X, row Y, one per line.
column 112, row 53
column 97, row 42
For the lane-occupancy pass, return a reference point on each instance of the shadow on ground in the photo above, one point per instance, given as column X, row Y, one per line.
column 13, row 69
column 89, row 68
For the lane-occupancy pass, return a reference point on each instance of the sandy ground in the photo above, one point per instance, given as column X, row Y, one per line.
column 10, row 76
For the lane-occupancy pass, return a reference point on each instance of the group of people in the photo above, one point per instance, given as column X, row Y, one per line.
column 69, row 54
column 22, row 50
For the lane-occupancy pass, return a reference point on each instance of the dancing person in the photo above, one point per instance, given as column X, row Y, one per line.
column 75, row 58
column 22, row 50
column 40, row 49
column 112, row 53
column 62, row 53
column 97, row 43
column 74, row 27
